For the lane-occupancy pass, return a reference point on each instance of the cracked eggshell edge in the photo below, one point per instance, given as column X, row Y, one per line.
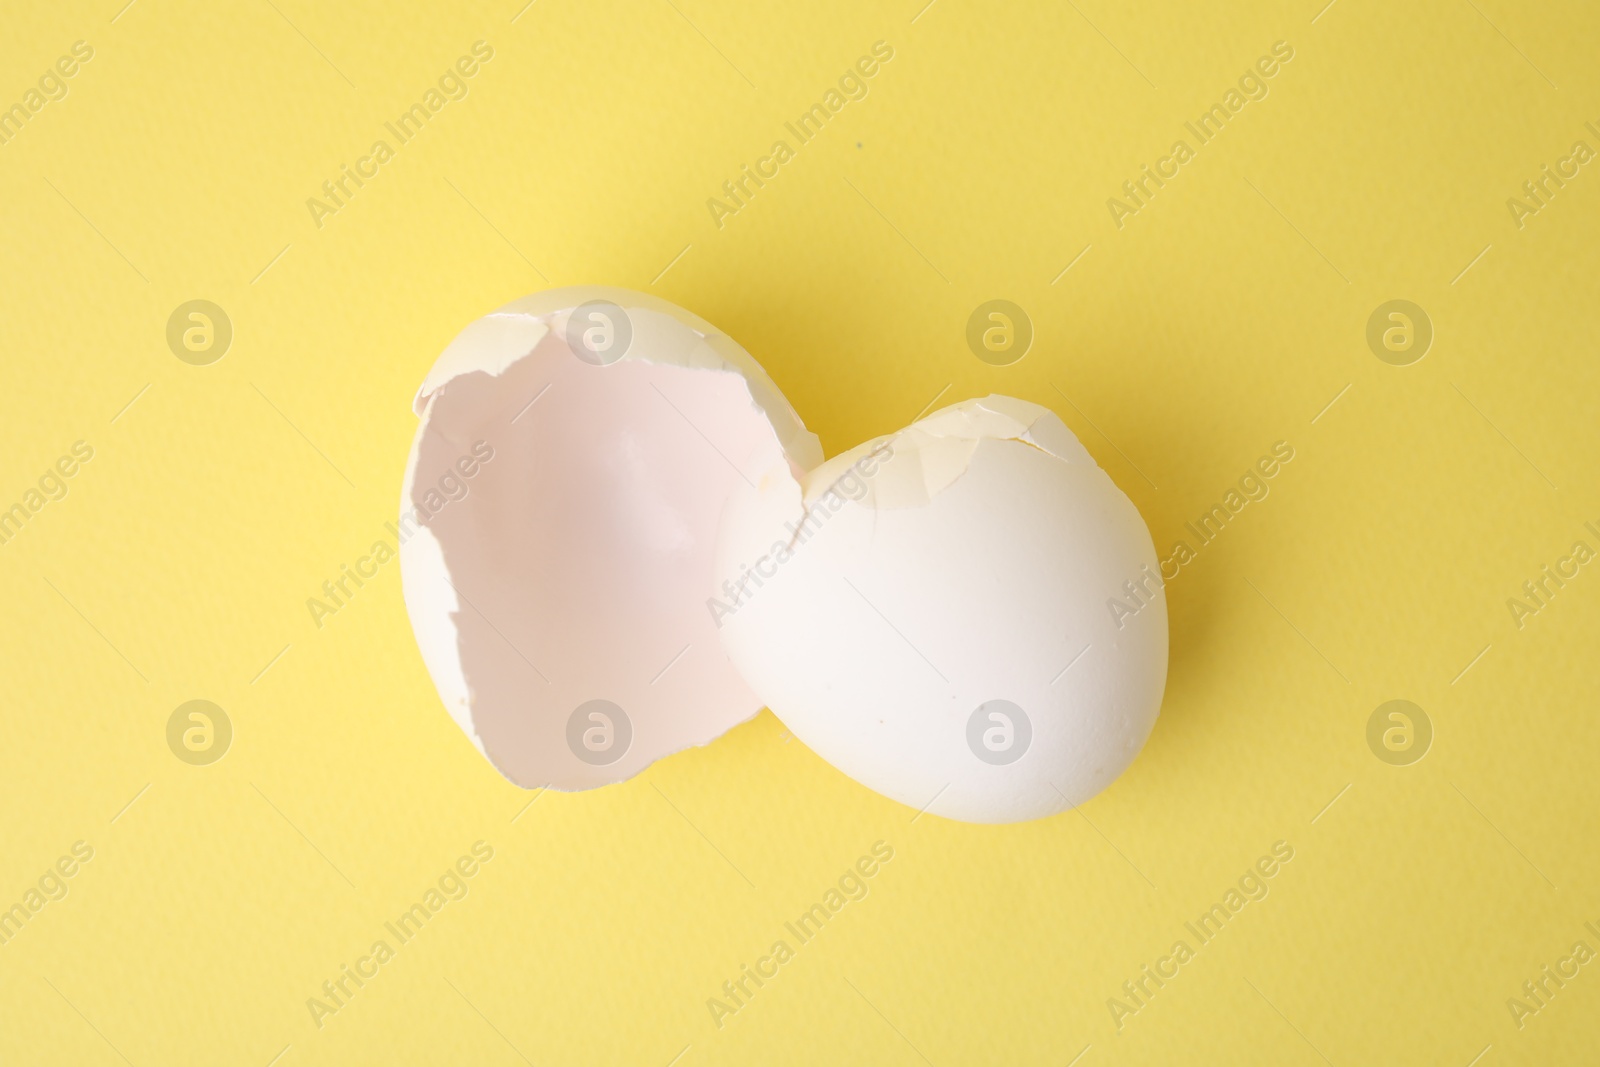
column 492, row 344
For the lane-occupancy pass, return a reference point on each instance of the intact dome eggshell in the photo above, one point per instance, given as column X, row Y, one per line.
column 928, row 612
column 558, row 520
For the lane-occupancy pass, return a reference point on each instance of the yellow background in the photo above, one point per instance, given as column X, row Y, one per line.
column 1224, row 317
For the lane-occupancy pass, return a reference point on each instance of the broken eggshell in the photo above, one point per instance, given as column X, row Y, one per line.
column 558, row 520
column 928, row 612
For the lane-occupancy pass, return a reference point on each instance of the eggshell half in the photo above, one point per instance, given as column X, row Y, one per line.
column 929, row 612
column 558, row 522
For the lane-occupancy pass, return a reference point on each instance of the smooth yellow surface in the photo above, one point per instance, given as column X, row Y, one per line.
column 1221, row 318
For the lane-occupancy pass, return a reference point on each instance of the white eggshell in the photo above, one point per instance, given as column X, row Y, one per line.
column 558, row 521
column 881, row 603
